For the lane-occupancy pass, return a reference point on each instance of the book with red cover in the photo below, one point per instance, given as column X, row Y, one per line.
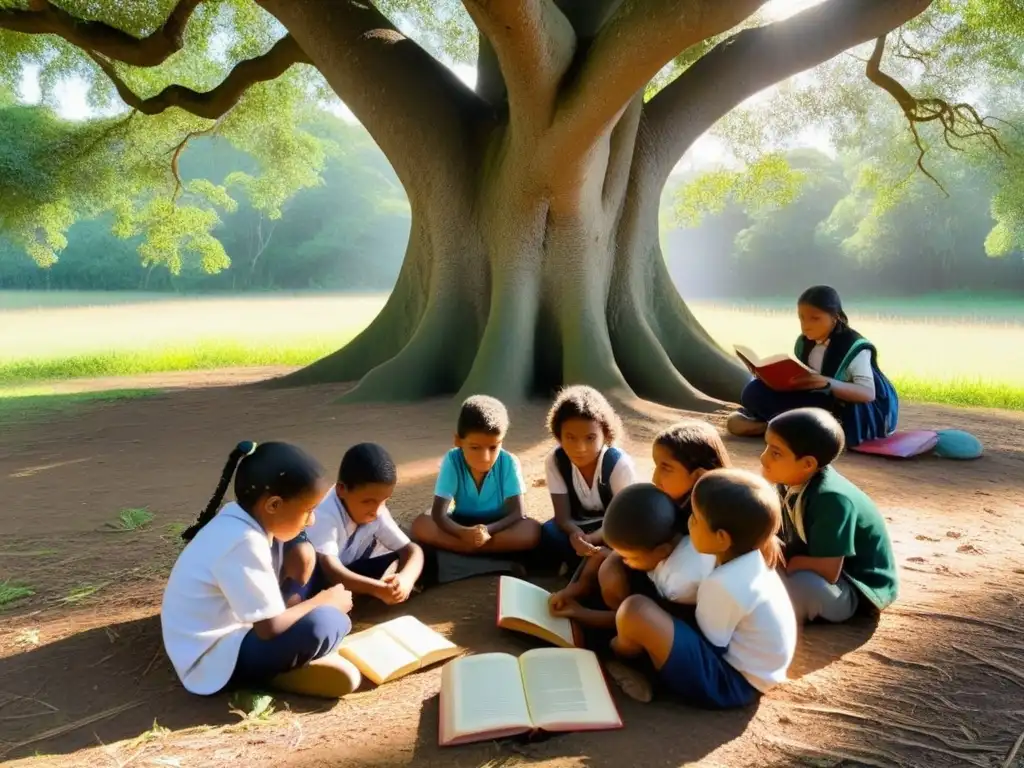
column 778, row 371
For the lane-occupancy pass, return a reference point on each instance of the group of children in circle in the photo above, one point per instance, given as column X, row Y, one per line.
column 695, row 581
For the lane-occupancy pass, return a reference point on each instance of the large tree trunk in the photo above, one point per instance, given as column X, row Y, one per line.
column 511, row 290
column 534, row 259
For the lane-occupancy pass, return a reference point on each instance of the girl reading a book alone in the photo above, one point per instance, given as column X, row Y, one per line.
column 845, row 381
column 224, row 618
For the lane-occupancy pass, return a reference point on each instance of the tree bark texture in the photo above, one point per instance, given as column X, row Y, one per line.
column 534, row 259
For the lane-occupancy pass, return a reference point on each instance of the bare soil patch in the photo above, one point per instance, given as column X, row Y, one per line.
column 939, row 681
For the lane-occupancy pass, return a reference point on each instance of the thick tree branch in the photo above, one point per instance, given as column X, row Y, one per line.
column 420, row 114
column 640, row 38
column 534, row 43
column 490, row 84
column 588, row 16
column 214, row 103
column 755, row 59
column 958, row 121
column 43, row 18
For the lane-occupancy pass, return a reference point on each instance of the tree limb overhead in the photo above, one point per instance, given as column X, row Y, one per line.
column 216, row 102
column 754, row 59
column 639, row 38
column 958, row 121
column 534, row 43
column 419, row 113
column 43, row 18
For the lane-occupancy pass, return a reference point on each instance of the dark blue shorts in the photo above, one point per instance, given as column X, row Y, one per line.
column 697, row 672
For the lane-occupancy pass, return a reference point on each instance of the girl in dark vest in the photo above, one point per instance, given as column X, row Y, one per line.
column 848, row 382
column 583, row 473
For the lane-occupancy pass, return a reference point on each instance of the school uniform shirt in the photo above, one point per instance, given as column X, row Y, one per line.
column 857, row 372
column 743, row 607
column 455, row 482
column 589, row 495
column 334, row 533
column 679, row 575
column 225, row 580
column 832, row 517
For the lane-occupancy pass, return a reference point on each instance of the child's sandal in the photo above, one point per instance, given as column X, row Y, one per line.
column 633, row 682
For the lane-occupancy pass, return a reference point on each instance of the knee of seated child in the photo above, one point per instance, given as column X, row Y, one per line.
column 325, row 624
column 423, row 528
column 611, row 577
column 531, row 531
column 633, row 613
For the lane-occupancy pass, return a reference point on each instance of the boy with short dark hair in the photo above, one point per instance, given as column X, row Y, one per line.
column 837, row 546
column 353, row 523
column 478, row 497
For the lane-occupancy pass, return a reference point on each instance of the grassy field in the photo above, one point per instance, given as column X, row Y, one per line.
column 948, row 350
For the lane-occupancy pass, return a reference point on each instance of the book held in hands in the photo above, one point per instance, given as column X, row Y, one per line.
column 523, row 607
column 779, row 372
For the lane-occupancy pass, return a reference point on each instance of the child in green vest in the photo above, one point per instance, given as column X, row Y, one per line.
column 837, row 548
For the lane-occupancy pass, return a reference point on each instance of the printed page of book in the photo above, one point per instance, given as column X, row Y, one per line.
column 482, row 698
column 424, row 643
column 523, row 607
column 566, row 690
column 748, row 354
column 378, row 655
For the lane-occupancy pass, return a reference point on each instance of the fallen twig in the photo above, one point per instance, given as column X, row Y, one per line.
column 1010, row 758
column 73, row 726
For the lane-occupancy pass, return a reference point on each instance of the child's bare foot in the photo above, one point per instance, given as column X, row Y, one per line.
column 633, row 682
column 741, row 425
column 623, row 647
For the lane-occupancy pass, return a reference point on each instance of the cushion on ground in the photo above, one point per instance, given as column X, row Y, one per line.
column 957, row 444
column 901, row 445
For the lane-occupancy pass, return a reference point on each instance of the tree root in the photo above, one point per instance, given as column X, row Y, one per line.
column 893, row 661
column 1007, row 672
column 859, row 758
column 989, row 623
column 434, row 362
column 648, row 369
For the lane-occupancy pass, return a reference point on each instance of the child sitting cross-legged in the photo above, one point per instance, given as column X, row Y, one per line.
column 353, row 522
column 837, row 547
column 744, row 634
column 478, row 497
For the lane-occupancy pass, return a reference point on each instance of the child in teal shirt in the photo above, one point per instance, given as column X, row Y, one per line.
column 837, row 547
column 478, row 498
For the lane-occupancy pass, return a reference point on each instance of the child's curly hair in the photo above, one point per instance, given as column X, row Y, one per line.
column 581, row 402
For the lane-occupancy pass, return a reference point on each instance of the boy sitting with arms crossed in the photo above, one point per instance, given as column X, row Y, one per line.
column 353, row 519
column 484, row 484
column 744, row 634
column 837, row 545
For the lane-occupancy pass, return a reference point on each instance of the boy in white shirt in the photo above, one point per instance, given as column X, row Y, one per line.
column 745, row 632
column 354, row 535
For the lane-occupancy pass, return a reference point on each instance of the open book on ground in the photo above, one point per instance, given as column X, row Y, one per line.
column 777, row 371
column 523, row 607
column 396, row 648
column 493, row 695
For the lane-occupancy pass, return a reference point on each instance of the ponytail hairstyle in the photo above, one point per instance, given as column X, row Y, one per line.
column 745, row 506
column 826, row 299
column 260, row 469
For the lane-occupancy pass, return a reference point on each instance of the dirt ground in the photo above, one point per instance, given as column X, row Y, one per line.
column 83, row 678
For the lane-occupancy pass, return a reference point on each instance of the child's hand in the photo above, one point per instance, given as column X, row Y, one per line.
column 299, row 563
column 480, row 535
column 582, row 547
column 338, row 597
column 397, row 588
column 569, row 609
column 558, row 600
